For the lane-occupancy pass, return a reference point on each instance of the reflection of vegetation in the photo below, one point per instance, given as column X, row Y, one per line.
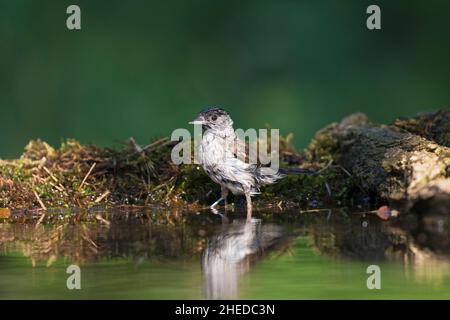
column 137, row 235
column 143, row 234
column 418, row 242
column 312, row 243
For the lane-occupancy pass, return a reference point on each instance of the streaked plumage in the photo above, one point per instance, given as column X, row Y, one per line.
column 219, row 156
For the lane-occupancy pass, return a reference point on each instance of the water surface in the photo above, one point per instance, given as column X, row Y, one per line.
column 279, row 255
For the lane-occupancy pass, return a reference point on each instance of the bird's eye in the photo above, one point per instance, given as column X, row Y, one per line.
column 214, row 118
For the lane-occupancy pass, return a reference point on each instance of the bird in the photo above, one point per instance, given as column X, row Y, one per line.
column 231, row 252
column 220, row 154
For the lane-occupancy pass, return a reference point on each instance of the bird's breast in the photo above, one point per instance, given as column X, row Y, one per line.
column 213, row 150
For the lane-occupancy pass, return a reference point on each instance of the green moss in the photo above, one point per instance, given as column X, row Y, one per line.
column 77, row 175
column 323, row 146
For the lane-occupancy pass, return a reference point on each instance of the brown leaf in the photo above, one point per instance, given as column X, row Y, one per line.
column 4, row 213
column 384, row 212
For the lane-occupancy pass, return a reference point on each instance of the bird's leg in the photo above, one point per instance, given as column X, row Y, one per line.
column 248, row 198
column 224, row 195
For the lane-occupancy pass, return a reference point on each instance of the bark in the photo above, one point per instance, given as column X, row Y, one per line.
column 406, row 163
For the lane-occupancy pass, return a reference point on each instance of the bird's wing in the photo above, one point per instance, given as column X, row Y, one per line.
column 242, row 150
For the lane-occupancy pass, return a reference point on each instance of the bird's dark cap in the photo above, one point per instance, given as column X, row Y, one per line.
column 207, row 112
column 217, row 110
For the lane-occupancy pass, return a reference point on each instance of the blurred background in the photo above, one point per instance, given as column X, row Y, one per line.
column 144, row 68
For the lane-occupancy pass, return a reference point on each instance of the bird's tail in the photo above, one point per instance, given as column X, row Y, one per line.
column 286, row 171
column 267, row 176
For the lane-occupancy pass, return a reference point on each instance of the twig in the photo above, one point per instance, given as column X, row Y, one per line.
column 345, row 170
column 327, row 187
column 41, row 218
column 39, row 200
column 59, row 187
column 101, row 219
column 87, row 175
column 85, row 237
column 351, row 176
column 50, row 174
column 158, row 143
column 103, row 196
column 326, row 167
column 136, row 147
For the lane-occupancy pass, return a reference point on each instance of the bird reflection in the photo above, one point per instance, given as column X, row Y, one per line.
column 230, row 254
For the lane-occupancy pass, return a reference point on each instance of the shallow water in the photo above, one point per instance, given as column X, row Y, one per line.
column 283, row 255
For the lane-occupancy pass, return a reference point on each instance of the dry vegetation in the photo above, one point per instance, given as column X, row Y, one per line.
column 352, row 154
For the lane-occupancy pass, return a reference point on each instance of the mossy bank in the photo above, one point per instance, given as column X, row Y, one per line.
column 347, row 155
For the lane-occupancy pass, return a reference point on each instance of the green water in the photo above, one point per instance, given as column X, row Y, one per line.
column 290, row 255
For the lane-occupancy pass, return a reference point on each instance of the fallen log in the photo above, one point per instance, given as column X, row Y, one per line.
column 406, row 163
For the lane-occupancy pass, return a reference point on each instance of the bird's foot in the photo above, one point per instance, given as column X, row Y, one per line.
column 216, row 203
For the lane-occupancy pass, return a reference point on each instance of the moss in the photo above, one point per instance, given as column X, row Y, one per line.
column 323, row 146
column 433, row 126
column 77, row 175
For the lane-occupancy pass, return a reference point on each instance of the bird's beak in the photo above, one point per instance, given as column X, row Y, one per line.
column 199, row 120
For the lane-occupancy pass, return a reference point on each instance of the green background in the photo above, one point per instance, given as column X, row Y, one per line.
column 144, row 68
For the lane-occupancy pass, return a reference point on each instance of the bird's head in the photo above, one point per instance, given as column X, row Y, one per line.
column 214, row 119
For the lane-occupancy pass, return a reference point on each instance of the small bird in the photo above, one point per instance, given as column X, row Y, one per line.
column 221, row 159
